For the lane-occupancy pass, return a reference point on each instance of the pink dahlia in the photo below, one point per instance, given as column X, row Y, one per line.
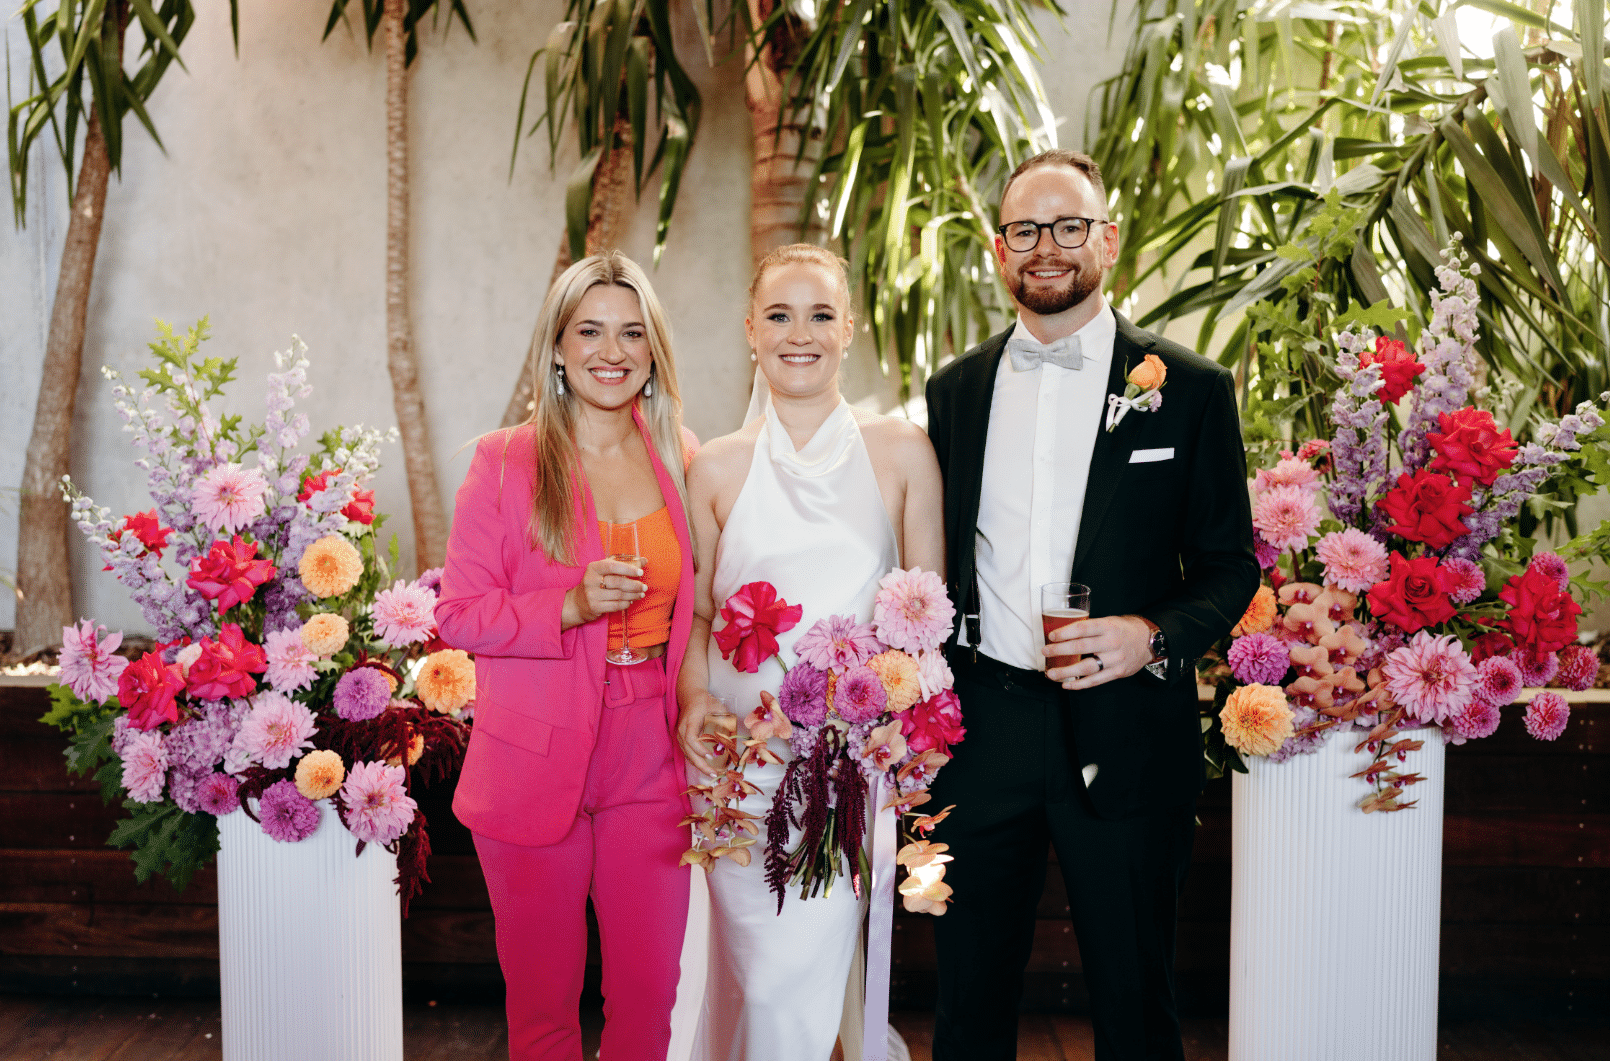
column 913, row 612
column 404, row 614
column 287, row 815
column 1289, row 472
column 1477, row 719
column 361, row 694
column 228, row 497
column 1353, row 560
column 1498, row 680
column 1259, row 659
column 290, row 663
column 1552, row 565
column 836, row 644
column 858, row 695
column 218, row 794
column 1538, row 667
column 1579, row 667
column 1468, row 582
column 88, row 667
column 803, row 696
column 1287, row 516
column 378, row 808
column 145, row 766
column 1430, row 676
column 277, row 730
column 1547, row 715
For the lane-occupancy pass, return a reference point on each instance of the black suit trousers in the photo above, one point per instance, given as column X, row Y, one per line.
column 1016, row 792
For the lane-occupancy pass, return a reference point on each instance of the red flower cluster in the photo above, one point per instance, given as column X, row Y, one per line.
column 361, row 509
column 229, row 573
column 1541, row 614
column 1470, row 444
column 146, row 690
column 226, row 666
column 1491, row 643
column 934, row 724
column 1427, row 507
column 1415, row 594
column 1398, row 367
column 755, row 615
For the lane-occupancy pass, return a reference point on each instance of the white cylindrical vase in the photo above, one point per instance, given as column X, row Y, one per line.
column 1335, row 915
column 309, row 945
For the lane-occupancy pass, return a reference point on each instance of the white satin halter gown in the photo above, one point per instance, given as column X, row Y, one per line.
column 813, row 524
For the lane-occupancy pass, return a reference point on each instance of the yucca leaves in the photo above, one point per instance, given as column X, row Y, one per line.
column 1220, row 144
column 375, row 10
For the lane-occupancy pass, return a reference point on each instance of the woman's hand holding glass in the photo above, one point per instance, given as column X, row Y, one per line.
column 606, row 587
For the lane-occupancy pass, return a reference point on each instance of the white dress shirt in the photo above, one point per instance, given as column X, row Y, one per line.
column 1042, row 433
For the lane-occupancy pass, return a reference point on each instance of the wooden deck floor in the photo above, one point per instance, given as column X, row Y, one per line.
column 34, row 1028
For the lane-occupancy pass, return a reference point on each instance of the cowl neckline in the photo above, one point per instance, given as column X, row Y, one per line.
column 826, row 448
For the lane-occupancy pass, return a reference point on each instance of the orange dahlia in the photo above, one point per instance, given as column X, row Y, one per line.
column 899, row 674
column 1260, row 614
column 319, row 774
column 330, row 566
column 325, row 634
column 446, row 682
column 1256, row 719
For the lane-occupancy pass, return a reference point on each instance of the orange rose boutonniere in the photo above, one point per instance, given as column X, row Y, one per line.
column 1143, row 390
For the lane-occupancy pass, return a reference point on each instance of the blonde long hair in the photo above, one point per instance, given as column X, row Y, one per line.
column 554, row 525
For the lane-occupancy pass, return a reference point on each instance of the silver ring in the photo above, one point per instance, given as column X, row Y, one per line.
column 1100, row 666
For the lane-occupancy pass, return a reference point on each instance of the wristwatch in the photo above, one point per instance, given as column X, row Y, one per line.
column 1159, row 649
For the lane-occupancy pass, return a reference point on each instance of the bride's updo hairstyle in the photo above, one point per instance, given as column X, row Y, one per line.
column 806, row 254
column 554, row 526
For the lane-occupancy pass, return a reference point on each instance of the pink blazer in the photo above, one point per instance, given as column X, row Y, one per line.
column 538, row 690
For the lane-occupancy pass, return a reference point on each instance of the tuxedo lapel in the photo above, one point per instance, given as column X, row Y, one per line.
column 1112, row 447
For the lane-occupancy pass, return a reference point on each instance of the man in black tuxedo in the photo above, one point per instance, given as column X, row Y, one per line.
column 1101, row 758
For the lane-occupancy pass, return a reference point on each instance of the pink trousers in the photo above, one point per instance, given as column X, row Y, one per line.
column 623, row 851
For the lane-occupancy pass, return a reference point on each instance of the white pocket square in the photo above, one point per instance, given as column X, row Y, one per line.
column 1144, row 456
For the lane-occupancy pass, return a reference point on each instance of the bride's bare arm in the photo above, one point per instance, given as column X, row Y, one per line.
column 904, row 459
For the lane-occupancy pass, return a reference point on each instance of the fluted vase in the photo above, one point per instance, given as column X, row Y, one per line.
column 309, row 945
column 1335, row 915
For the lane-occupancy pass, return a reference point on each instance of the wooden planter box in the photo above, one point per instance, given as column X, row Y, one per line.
column 1525, row 890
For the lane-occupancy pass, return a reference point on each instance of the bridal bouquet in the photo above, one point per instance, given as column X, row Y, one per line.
column 1398, row 588
column 865, row 704
column 288, row 672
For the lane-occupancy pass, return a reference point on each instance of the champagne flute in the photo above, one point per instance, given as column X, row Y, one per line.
column 621, row 545
column 1062, row 603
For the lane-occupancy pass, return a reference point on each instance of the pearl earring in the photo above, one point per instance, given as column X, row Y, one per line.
column 559, row 384
column 752, row 355
column 648, row 387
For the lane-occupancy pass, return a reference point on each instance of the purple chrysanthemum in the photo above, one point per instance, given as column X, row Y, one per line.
column 379, row 809
column 1469, row 580
column 217, row 794
column 1266, row 554
column 1259, row 659
column 1538, row 668
column 1479, row 718
column 1547, row 715
column 286, row 814
column 803, row 696
column 837, row 643
column 1498, row 680
column 361, row 694
column 1552, row 565
column 859, row 695
column 1579, row 667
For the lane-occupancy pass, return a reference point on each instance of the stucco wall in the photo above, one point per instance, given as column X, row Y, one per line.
column 267, row 213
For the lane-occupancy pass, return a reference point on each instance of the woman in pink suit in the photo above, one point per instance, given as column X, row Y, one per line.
column 572, row 785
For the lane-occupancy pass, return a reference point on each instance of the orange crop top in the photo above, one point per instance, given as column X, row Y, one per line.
column 649, row 620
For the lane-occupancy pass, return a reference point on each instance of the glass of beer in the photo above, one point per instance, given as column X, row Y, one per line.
column 1062, row 603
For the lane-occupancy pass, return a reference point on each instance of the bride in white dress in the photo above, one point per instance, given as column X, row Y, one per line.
column 821, row 500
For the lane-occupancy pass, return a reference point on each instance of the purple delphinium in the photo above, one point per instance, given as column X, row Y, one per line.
column 1358, row 448
column 361, row 694
column 1447, row 349
column 286, row 814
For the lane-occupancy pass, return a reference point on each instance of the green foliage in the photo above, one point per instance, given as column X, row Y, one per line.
column 166, row 840
column 189, row 380
column 1235, row 125
column 375, row 10
column 89, row 744
column 926, row 108
column 597, row 68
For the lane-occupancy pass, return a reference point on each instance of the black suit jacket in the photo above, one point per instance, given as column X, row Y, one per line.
column 1170, row 540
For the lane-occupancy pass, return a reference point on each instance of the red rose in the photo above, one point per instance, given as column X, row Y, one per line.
column 1541, row 614
column 146, row 527
column 1427, row 507
column 229, row 573
column 1398, row 368
column 226, row 666
column 361, row 509
column 146, row 690
column 1490, row 644
column 1414, row 595
column 755, row 616
column 1470, row 444
column 934, row 724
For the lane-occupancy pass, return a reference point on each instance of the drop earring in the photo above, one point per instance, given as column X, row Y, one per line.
column 752, row 355
column 648, row 386
column 559, row 383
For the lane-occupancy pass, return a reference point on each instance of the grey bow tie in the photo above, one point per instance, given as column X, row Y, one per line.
column 1028, row 354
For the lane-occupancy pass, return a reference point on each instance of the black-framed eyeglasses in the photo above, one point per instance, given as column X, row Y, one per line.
column 1069, row 233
